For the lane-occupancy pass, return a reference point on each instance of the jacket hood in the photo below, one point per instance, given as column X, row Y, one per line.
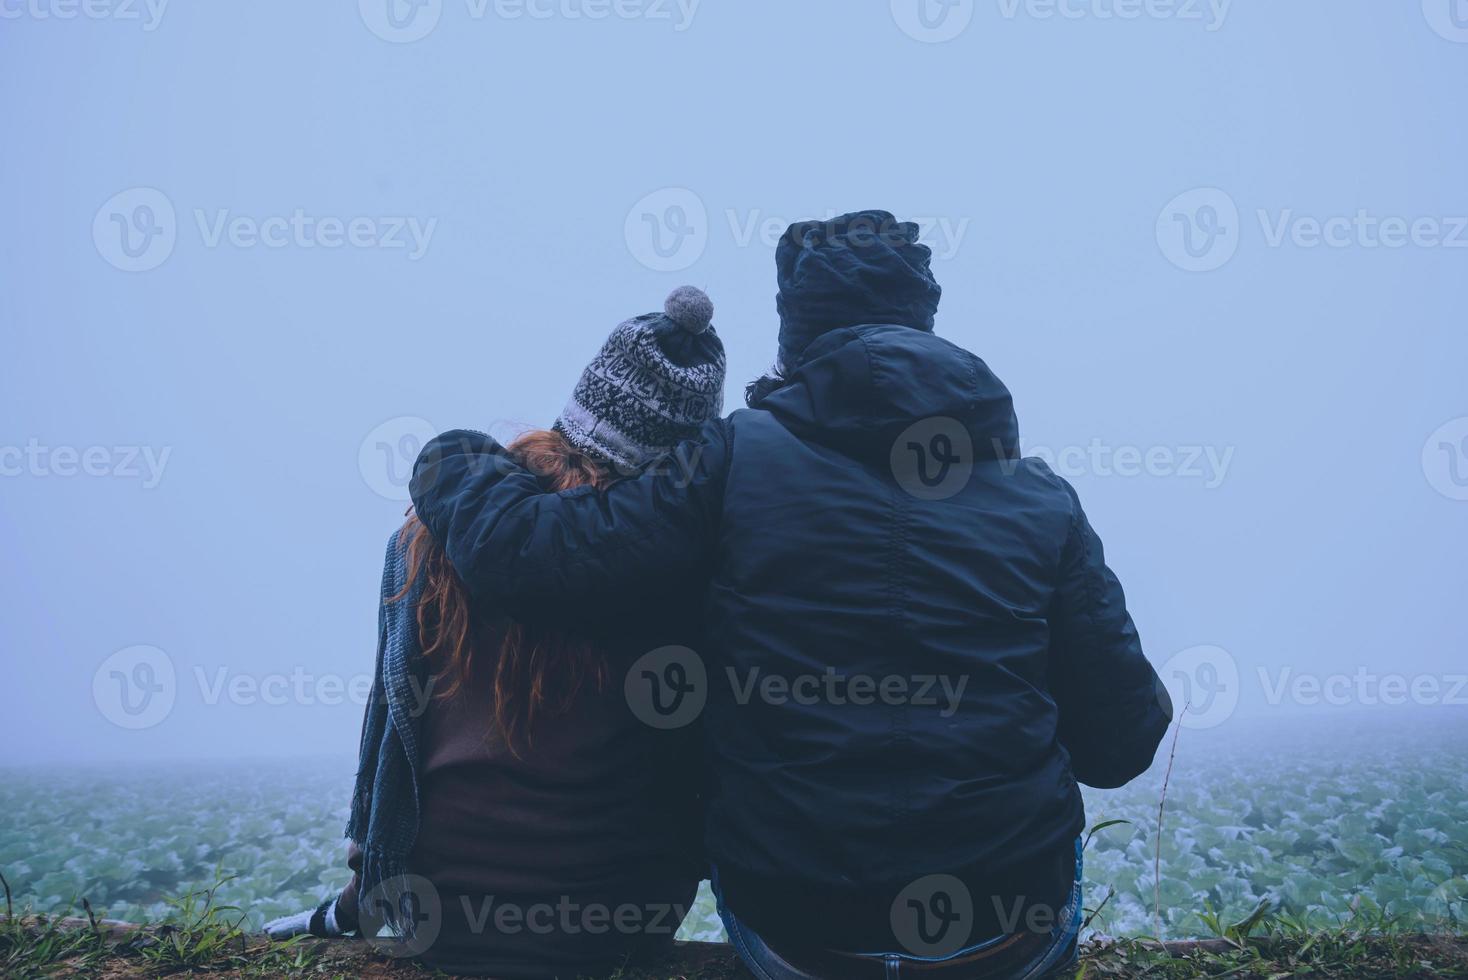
column 864, row 267
column 859, row 388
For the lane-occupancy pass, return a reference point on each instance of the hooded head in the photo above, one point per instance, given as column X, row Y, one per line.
column 860, row 268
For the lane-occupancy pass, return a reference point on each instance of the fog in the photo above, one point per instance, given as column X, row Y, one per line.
column 255, row 253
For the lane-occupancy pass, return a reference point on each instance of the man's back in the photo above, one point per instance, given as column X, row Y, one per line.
column 879, row 640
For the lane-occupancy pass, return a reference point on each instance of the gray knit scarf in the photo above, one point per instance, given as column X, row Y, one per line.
column 384, row 821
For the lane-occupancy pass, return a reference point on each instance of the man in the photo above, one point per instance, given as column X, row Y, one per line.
column 913, row 647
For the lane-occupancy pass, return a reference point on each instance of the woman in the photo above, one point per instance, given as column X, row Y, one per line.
column 512, row 815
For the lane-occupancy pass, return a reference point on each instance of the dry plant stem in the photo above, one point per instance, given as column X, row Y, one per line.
column 1161, row 804
column 1110, row 893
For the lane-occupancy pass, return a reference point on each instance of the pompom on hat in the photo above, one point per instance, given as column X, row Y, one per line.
column 690, row 308
column 656, row 381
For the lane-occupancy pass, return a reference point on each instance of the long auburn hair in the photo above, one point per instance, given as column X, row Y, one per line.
column 538, row 670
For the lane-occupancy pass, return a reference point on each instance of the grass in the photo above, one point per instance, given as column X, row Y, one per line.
column 205, row 938
column 201, row 936
column 1275, row 946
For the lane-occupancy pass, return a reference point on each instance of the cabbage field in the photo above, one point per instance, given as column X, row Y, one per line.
column 1322, row 819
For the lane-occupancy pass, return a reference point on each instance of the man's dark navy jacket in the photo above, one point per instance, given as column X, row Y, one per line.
column 818, row 554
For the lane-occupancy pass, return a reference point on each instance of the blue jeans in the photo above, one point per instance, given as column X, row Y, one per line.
column 1057, row 956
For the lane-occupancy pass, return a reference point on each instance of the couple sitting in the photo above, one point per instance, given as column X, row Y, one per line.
column 841, row 652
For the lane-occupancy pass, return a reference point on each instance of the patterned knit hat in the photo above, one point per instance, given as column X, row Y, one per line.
column 656, row 381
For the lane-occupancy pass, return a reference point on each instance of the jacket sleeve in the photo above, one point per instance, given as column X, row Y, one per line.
column 1114, row 710
column 536, row 554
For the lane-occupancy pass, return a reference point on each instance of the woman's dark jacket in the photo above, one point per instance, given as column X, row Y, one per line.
column 835, row 540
